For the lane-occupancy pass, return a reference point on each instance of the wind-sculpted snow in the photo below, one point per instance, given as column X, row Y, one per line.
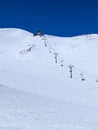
column 37, row 91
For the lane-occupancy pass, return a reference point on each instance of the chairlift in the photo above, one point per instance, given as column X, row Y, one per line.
column 62, row 62
column 82, row 78
column 96, row 80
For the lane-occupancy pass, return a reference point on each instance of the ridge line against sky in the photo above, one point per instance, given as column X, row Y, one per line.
column 54, row 17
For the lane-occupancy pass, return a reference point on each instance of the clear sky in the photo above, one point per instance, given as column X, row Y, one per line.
column 54, row 17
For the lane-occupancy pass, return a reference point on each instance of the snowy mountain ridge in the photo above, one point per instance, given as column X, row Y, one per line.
column 35, row 73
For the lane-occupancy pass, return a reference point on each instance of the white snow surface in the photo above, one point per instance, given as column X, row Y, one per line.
column 36, row 93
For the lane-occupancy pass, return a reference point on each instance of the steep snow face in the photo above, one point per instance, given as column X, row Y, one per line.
column 34, row 66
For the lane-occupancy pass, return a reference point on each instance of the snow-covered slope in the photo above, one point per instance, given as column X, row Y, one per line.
column 36, row 93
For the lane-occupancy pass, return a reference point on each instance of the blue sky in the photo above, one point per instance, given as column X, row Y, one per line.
column 54, row 17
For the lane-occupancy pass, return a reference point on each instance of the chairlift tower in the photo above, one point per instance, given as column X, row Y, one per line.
column 45, row 41
column 55, row 56
column 71, row 67
column 82, row 78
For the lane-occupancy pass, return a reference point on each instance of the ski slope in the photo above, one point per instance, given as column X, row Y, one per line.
column 36, row 93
